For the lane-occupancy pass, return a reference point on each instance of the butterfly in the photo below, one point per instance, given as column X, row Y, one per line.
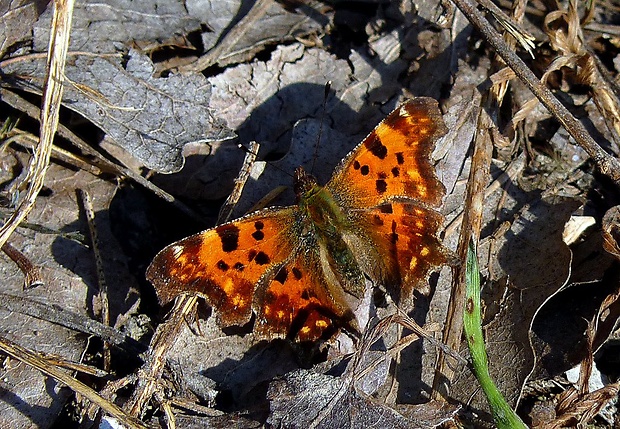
column 298, row 268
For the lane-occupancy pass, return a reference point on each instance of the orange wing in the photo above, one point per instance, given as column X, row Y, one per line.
column 298, row 302
column 394, row 160
column 405, row 233
column 257, row 263
column 388, row 186
column 225, row 263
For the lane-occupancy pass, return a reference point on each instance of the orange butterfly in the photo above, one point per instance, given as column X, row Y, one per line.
column 298, row 267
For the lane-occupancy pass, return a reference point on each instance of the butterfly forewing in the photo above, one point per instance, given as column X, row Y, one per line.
column 394, row 160
column 389, row 184
column 224, row 264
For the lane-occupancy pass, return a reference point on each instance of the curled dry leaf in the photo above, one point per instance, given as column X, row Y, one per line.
column 576, row 410
column 611, row 231
column 308, row 399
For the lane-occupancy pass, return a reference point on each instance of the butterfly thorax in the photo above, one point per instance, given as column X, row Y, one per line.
column 318, row 204
column 327, row 225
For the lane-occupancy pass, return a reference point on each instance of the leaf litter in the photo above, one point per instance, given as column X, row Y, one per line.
column 268, row 87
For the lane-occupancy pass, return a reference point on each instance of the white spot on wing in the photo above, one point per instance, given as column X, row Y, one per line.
column 176, row 251
column 403, row 112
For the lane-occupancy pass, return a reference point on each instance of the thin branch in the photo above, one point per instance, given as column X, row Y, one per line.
column 54, row 313
column 30, row 358
column 52, row 97
column 607, row 164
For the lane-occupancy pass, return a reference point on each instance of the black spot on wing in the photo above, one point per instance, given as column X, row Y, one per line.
column 400, row 159
column 393, row 235
column 258, row 234
column 281, row 276
column 297, row 273
column 365, row 170
column 381, row 186
column 374, row 145
column 262, row 258
column 221, row 265
column 386, row 208
column 229, row 236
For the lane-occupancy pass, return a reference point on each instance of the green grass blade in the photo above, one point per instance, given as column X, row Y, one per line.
column 503, row 414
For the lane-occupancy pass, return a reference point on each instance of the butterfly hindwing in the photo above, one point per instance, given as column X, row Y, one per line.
column 297, row 301
column 407, row 232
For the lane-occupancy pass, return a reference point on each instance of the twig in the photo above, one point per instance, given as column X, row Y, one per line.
column 52, row 97
column 54, row 313
column 242, row 178
column 470, row 231
column 59, row 361
column 163, row 340
column 607, row 164
column 103, row 286
column 29, row 141
column 509, row 174
column 32, row 273
column 69, row 235
column 42, row 365
column 226, row 43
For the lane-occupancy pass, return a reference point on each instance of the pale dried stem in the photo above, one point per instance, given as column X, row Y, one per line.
column 470, row 230
column 42, row 365
column 52, row 97
column 165, row 336
column 240, row 181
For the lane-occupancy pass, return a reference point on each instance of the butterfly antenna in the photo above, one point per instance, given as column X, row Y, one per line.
column 328, row 86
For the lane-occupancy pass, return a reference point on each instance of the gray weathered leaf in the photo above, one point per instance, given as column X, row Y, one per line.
column 303, row 398
column 276, row 25
column 16, row 19
column 106, row 27
column 151, row 118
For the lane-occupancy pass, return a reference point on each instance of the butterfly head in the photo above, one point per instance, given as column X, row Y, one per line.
column 304, row 183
